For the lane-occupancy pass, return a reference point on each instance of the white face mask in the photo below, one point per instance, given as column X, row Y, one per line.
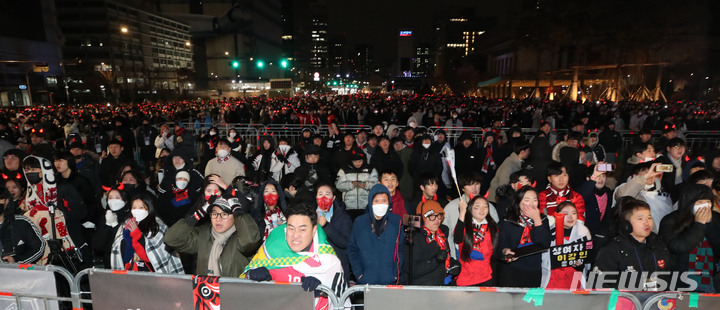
column 426, row 145
column 222, row 153
column 231, row 135
column 115, row 204
column 379, row 210
column 181, row 184
column 179, row 167
column 212, row 133
column 139, row 214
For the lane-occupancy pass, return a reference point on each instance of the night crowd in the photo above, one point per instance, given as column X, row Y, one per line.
column 409, row 199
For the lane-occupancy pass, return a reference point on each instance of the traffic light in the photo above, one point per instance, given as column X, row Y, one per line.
column 235, row 64
column 260, row 64
column 284, row 63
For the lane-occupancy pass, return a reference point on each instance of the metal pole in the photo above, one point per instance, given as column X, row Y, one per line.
column 27, row 81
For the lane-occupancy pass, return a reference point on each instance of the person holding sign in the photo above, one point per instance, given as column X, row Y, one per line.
column 524, row 235
column 568, row 232
column 476, row 241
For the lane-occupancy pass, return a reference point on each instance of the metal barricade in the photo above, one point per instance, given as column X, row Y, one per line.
column 433, row 297
column 682, row 301
column 155, row 290
column 19, row 292
column 453, row 133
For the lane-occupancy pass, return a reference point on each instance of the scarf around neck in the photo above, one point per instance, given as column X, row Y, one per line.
column 214, row 268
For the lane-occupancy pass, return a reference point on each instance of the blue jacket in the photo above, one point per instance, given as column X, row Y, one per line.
column 376, row 255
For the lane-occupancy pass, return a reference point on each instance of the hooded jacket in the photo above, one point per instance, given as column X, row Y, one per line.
column 258, row 211
column 375, row 246
column 682, row 241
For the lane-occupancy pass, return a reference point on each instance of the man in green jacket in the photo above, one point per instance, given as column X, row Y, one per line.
column 224, row 244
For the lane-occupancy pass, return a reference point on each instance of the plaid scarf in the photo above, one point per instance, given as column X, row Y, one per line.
column 701, row 260
column 441, row 240
column 527, row 223
column 489, row 161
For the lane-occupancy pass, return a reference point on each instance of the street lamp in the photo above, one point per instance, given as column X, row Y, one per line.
column 124, row 30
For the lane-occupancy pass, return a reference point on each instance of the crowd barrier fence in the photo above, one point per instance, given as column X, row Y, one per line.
column 433, row 297
column 252, row 132
column 28, row 284
column 144, row 290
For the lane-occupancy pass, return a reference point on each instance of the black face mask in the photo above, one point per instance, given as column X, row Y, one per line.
column 130, row 187
column 33, row 177
column 78, row 157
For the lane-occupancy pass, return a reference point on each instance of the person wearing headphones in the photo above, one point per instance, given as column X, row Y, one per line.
column 636, row 248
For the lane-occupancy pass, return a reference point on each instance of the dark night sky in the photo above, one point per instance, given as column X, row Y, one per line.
column 377, row 22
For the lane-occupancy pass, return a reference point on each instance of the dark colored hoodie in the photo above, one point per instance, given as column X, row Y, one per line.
column 375, row 246
column 258, row 212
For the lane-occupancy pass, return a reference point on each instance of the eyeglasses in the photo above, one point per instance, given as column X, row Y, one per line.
column 223, row 215
column 433, row 217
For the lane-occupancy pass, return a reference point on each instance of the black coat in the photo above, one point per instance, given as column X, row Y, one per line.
column 526, row 270
column 387, row 161
column 424, row 161
column 110, row 167
column 602, row 229
column 622, row 252
column 338, row 233
column 681, row 243
column 426, row 269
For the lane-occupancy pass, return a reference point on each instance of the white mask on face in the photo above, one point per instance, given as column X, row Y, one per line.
column 212, row 133
column 139, row 214
column 115, row 204
column 379, row 210
column 426, row 145
column 231, row 135
column 181, row 184
column 222, row 153
column 284, row 148
column 179, row 167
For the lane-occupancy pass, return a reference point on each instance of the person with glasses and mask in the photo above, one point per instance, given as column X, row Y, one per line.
column 225, row 243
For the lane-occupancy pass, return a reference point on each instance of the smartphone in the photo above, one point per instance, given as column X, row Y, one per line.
column 665, row 168
column 605, row 167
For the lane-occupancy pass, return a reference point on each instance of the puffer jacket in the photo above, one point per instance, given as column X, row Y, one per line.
column 356, row 198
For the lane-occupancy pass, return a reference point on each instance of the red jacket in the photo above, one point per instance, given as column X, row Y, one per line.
column 548, row 201
column 398, row 204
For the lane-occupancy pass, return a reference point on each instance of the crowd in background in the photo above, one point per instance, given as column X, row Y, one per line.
column 409, row 199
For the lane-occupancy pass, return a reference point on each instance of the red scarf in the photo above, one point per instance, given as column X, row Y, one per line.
column 489, row 161
column 525, row 238
column 439, row 237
